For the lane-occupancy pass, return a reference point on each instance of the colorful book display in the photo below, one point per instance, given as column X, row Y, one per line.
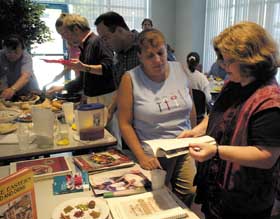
column 101, row 161
column 44, row 168
column 17, row 196
column 121, row 182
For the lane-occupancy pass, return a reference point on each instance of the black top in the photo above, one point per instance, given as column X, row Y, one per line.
column 94, row 52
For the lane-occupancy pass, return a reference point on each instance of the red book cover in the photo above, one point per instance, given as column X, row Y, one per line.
column 45, row 167
column 105, row 160
column 17, row 195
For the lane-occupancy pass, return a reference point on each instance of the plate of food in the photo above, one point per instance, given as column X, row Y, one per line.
column 30, row 99
column 82, row 208
column 6, row 128
column 8, row 115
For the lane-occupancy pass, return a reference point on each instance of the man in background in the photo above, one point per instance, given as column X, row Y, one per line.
column 16, row 69
column 112, row 28
column 94, row 64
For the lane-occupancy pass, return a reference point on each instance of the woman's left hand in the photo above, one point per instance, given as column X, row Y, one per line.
column 202, row 152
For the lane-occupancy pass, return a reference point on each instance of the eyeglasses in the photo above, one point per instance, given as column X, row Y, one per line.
column 225, row 63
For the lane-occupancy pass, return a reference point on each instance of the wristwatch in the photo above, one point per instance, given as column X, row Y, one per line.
column 87, row 69
column 14, row 89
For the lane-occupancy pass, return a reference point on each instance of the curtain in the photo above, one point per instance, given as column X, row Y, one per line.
column 132, row 11
column 223, row 13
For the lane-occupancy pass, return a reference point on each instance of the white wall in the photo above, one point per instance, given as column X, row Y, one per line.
column 182, row 23
column 163, row 17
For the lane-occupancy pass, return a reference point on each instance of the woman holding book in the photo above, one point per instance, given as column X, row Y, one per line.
column 154, row 102
column 236, row 178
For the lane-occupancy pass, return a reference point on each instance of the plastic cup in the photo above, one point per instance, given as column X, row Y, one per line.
column 23, row 135
column 158, row 178
column 68, row 110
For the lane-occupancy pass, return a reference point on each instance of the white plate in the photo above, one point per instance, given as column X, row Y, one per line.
column 18, row 103
column 100, row 206
column 8, row 115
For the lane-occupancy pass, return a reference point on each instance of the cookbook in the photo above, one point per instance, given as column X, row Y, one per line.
column 17, row 195
column 44, row 167
column 160, row 204
column 101, row 161
column 120, row 182
column 174, row 147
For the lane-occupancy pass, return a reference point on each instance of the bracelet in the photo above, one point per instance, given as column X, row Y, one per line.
column 217, row 155
column 14, row 89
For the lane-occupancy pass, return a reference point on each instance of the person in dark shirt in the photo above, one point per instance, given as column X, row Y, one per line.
column 95, row 61
column 236, row 178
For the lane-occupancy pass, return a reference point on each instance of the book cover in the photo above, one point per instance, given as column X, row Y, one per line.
column 76, row 182
column 44, row 167
column 100, row 161
column 159, row 204
column 17, row 195
column 175, row 146
column 120, row 182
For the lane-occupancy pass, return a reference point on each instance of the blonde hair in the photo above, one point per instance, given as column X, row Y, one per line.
column 252, row 46
column 71, row 21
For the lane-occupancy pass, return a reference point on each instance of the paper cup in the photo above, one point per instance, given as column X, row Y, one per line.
column 158, row 178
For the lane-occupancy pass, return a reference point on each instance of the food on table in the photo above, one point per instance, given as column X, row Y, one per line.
column 68, row 209
column 91, row 204
column 8, row 115
column 6, row 128
column 83, row 209
column 79, row 213
column 95, row 214
column 55, row 105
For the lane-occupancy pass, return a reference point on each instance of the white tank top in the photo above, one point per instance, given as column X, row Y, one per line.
column 161, row 110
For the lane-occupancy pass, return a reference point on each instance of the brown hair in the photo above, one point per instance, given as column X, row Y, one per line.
column 150, row 37
column 252, row 46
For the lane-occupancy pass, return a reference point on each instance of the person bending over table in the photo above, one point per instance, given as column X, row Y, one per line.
column 235, row 179
column 154, row 101
column 16, row 69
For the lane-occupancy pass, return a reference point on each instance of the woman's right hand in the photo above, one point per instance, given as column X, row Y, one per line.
column 149, row 163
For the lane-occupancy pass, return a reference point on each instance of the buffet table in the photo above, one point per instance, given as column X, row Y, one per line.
column 12, row 152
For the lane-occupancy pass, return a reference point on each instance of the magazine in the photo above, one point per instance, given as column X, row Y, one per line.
column 76, row 182
column 160, row 204
column 17, row 196
column 44, row 167
column 120, row 182
column 175, row 146
column 100, row 161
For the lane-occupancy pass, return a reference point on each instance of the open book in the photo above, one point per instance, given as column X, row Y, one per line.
column 175, row 146
column 160, row 204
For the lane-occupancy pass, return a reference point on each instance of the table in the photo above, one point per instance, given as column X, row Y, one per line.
column 12, row 152
column 46, row 201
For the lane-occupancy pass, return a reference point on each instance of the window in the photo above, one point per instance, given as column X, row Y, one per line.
column 223, row 13
column 132, row 11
